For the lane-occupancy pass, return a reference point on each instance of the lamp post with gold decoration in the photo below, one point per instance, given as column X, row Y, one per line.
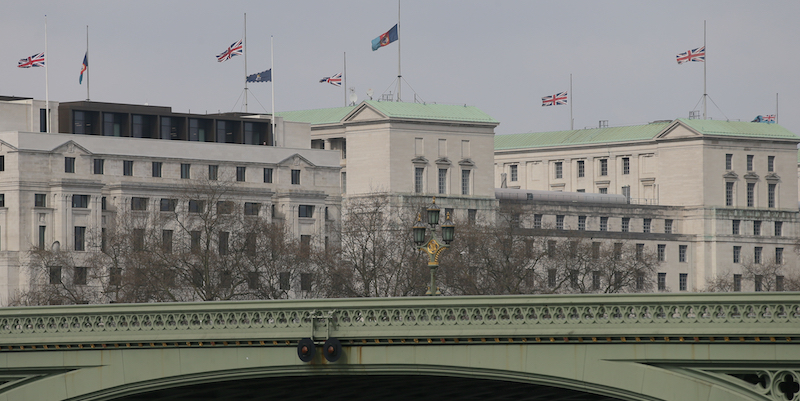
column 433, row 247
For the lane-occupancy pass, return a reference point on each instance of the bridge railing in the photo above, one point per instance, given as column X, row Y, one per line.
column 526, row 317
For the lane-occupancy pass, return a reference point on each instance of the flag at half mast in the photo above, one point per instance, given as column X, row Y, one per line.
column 335, row 80
column 263, row 76
column 37, row 60
column 386, row 38
column 84, row 67
column 555, row 100
column 698, row 55
column 234, row 49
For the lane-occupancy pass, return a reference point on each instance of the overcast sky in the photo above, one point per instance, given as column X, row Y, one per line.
column 500, row 56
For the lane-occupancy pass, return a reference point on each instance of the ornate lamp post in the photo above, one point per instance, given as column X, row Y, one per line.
column 433, row 247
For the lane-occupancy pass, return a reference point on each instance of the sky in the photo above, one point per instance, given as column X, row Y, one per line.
column 501, row 56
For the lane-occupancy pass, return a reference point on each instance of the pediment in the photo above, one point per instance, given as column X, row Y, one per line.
column 466, row 162
column 419, row 160
column 678, row 130
column 772, row 177
column 71, row 147
column 364, row 112
column 751, row 176
column 730, row 175
column 443, row 160
column 296, row 160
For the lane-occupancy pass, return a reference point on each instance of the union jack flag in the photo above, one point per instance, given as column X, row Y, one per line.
column 770, row 118
column 555, row 100
column 37, row 60
column 335, row 79
column 698, row 54
column 234, row 50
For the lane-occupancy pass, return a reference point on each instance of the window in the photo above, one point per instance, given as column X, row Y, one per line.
column 295, row 177
column 241, row 173
column 751, row 194
column 662, row 252
column 770, row 163
column 682, row 278
column 639, row 251
column 756, row 227
column 595, row 280
column 737, row 282
column 268, row 175
column 196, row 206
column 559, row 170
column 728, row 194
column 559, row 222
column 80, row 238
column 778, row 228
column 581, row 169
column 603, row 167
column 759, row 281
column 639, row 281
column 305, row 281
column 186, row 171
column 224, row 207
column 604, row 224
column 283, row 280
column 595, row 250
column 80, row 201
column 42, row 241
column 139, row 203
column 55, row 274
column 157, row 169
column 735, row 225
column 252, row 280
column 757, row 251
column 626, row 224
column 729, row 161
column 442, row 180
column 537, row 221
column 306, row 211
column 344, row 182
column 251, row 209
column 662, row 281
column 79, row 276
column 737, row 254
column 138, row 239
column 465, row 182
column 472, row 215
column 617, row 250
column 69, row 164
column 551, row 248
column 779, row 283
column 771, row 195
column 682, row 253
column 39, row 200
column 513, row 170
column 213, row 172
column 418, row 174
column 668, row 226
column 749, row 162
column 626, row 165
column 581, row 223
column 168, row 205
column 646, row 223
column 250, row 244
column 166, row 241
column 603, row 190
column 779, row 256
column 195, row 240
column 551, row 278
column 305, row 244
column 98, row 166
column 222, row 242
column 127, row 167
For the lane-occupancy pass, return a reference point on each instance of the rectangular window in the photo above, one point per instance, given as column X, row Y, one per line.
column 305, row 281
column 250, row 244
column 222, row 242
column 559, row 222
column 295, row 177
column 682, row 253
column 195, row 240
column 138, row 239
column 757, row 251
column 306, row 211
column 305, row 244
column 668, row 226
column 737, row 254
column 69, row 164
column 465, row 182
column 251, row 209
column 98, row 166
column 213, row 172
column 626, row 224
column 779, row 283
column 770, row 163
column 513, row 171
column 39, row 200
column 751, row 194
column 779, row 256
column 43, row 120
column 756, row 227
column 581, row 169
column 639, row 251
column 225, row 207
column 55, row 274
column 603, row 167
column 241, row 173
column 139, row 203
column 559, row 170
column 662, row 281
column 595, row 250
column 79, row 277
column 196, row 206
column 127, row 167
column 735, row 225
column 472, row 216
column 595, row 280
column 283, row 280
column 749, row 162
column 603, row 190
column 581, row 223
column 617, row 250
column 728, row 194
column 168, row 205
column 80, row 238
column 80, row 201
column 626, row 165
column 778, row 228
column 268, row 175
column 737, row 282
column 42, row 241
column 157, row 169
column 418, row 174
column 683, row 277
column 186, row 171
column 662, row 252
column 646, row 223
column 604, row 224
column 771, row 195
column 166, row 241
column 551, row 278
column 759, row 281
column 729, row 161
column 537, row 221
column 103, row 205
column 442, row 180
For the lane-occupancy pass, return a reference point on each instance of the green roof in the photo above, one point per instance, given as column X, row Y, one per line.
column 739, row 128
column 578, row 136
column 420, row 111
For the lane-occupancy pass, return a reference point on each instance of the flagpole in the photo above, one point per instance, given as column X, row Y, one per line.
column 87, row 63
column 399, row 75
column 705, row 63
column 571, row 120
column 245, row 62
column 345, row 79
column 46, row 80
column 776, row 108
column 272, row 80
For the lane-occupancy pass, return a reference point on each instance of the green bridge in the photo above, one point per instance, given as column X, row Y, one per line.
column 590, row 347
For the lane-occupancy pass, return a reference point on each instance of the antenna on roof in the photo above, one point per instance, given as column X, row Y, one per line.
column 353, row 96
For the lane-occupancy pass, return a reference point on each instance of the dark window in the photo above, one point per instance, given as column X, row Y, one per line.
column 751, row 194
column 157, row 169
column 55, row 274
column 213, row 172
column 465, row 182
column 42, row 120
column 267, row 175
column 604, row 224
column 98, row 166
column 241, row 173
column 626, row 224
column 305, row 281
column 582, row 223
column 139, row 203
column 222, row 243
column 166, row 241
column 168, row 205
column 80, row 238
column 196, row 206
column 551, row 278
column 306, row 211
column 603, row 166
column 646, row 223
column 2, row 200
column 749, row 162
column 537, row 221
column 69, row 164
column 138, row 239
column 778, row 228
column 779, row 283
column 759, row 280
column 80, row 201
column 559, row 170
column 639, row 281
column 756, row 227
column 662, row 252
column 80, row 276
column 418, row 174
column 728, row 161
column 737, row 282
column 513, row 170
column 617, row 250
column 770, row 163
column 295, row 177
column 559, row 222
column 251, row 209
column 626, row 165
column 250, row 244
column 344, row 182
column 472, row 215
column 103, row 203
column 442, row 180
column 735, row 225
column 682, row 253
column 771, row 195
column 662, row 281
column 225, row 207
column 127, row 167
column 757, row 251
column 581, row 169
column 195, row 240
column 682, row 278
column 737, row 254
column 668, row 226
column 779, row 256
column 42, row 232
column 40, row 200
column 186, row 171
column 284, row 281
column 595, row 250
column 639, row 251
column 595, row 280
column 114, row 276
column 603, row 190
column 252, row 280
column 728, row 194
